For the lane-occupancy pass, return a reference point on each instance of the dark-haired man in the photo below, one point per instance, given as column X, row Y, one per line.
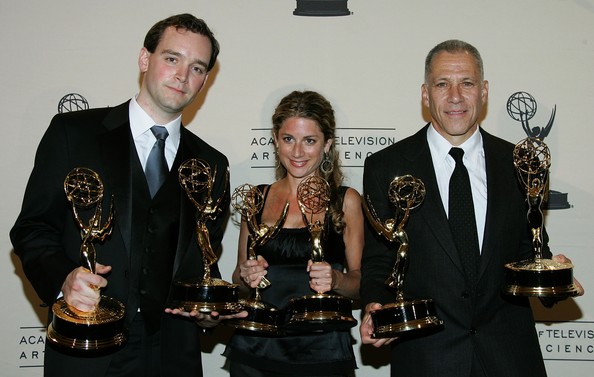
column 153, row 240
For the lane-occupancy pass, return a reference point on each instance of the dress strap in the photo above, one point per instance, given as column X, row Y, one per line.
column 264, row 189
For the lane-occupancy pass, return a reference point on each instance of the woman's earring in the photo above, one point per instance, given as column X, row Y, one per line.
column 326, row 166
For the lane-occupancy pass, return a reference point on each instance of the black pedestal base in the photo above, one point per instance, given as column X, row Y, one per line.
column 320, row 313
column 214, row 295
column 540, row 278
column 98, row 332
column 262, row 318
column 404, row 318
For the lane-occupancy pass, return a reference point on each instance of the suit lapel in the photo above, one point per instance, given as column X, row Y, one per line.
column 115, row 145
column 117, row 152
column 433, row 213
column 187, row 211
column 497, row 181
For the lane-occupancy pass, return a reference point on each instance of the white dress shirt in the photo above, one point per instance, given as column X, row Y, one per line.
column 140, row 125
column 474, row 160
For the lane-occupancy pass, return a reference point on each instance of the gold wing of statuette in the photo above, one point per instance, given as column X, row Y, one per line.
column 385, row 229
column 281, row 220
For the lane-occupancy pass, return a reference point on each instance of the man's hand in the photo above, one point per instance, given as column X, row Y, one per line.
column 366, row 328
column 206, row 320
column 81, row 289
column 560, row 258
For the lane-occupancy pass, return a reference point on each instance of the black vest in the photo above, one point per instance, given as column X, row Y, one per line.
column 155, row 232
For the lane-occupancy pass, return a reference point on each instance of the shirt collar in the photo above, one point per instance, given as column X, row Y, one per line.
column 141, row 122
column 441, row 146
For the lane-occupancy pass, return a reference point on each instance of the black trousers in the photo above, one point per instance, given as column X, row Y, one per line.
column 141, row 356
column 173, row 350
column 241, row 370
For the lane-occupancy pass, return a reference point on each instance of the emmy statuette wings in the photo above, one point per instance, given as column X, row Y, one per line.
column 402, row 317
column 204, row 294
column 101, row 330
column 538, row 277
column 318, row 312
column 262, row 317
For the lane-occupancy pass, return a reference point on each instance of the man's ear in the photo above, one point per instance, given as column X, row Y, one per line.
column 425, row 95
column 143, row 59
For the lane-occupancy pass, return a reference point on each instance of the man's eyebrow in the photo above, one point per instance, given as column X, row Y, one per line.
column 171, row 52
column 179, row 54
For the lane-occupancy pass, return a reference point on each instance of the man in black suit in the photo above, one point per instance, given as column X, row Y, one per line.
column 153, row 240
column 485, row 333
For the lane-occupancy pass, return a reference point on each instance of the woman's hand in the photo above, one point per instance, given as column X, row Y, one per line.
column 252, row 271
column 321, row 276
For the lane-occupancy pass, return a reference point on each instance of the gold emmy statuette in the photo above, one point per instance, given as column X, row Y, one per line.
column 402, row 317
column 262, row 317
column 318, row 312
column 537, row 277
column 204, row 294
column 101, row 330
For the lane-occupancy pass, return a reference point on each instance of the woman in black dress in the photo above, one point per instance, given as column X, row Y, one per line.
column 303, row 130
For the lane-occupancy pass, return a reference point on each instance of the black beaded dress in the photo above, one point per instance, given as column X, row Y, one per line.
column 309, row 354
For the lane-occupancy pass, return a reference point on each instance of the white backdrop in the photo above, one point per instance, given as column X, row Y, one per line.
column 369, row 65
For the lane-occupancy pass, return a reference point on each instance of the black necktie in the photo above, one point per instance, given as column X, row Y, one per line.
column 461, row 218
column 156, row 165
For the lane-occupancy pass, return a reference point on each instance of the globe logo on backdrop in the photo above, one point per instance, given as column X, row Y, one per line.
column 522, row 106
column 72, row 102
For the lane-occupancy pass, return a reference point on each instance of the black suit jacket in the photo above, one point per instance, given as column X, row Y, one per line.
column 47, row 239
column 493, row 328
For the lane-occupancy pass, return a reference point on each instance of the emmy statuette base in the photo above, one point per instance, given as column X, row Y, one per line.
column 540, row 278
column 98, row 332
column 262, row 318
column 405, row 318
column 320, row 312
column 206, row 296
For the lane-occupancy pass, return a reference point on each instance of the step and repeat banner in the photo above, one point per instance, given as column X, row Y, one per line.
column 63, row 55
